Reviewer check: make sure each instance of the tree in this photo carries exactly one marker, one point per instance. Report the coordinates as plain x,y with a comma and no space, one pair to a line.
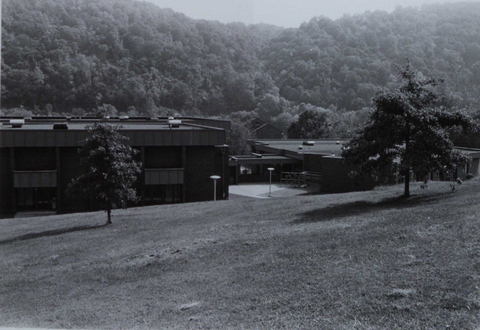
111,169
407,128
237,137
312,123
104,111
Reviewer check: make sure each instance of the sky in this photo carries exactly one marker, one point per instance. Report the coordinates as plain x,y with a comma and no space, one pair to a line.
286,13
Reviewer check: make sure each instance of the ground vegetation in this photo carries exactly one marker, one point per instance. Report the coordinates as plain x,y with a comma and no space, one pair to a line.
364,260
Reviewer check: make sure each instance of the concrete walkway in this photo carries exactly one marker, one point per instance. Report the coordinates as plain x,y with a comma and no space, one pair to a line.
262,190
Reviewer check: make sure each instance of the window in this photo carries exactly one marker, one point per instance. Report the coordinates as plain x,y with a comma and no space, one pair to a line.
163,194
33,199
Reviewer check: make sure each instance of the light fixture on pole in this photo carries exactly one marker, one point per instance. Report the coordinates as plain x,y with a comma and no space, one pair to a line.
270,169
215,178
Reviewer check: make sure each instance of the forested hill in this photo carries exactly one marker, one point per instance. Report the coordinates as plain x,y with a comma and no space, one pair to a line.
68,56
79,53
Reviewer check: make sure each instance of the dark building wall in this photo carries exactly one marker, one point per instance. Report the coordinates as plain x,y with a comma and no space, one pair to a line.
312,162
474,166
221,167
38,149
34,159
163,157
199,186
136,137
335,174
70,169
6,182
336,177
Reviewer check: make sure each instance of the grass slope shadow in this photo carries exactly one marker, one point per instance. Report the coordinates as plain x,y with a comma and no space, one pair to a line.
53,232
343,210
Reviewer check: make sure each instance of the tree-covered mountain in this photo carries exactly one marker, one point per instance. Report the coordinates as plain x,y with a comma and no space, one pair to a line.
343,63
70,56
78,53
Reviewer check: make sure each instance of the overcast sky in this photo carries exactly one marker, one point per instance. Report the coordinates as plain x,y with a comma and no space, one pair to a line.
286,13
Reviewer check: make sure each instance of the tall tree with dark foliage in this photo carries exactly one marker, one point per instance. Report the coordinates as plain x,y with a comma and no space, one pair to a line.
110,169
407,127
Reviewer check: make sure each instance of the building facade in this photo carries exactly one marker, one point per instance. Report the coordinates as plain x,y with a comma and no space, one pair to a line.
322,163
39,158
316,161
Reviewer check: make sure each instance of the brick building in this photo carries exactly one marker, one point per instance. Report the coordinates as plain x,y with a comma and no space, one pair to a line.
39,157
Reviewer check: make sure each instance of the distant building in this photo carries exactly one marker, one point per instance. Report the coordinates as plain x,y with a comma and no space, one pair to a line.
317,160
263,130
39,157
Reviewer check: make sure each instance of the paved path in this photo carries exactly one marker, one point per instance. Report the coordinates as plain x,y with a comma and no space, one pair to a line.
262,190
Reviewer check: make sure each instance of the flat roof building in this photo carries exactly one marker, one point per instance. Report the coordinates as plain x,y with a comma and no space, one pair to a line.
39,157
317,160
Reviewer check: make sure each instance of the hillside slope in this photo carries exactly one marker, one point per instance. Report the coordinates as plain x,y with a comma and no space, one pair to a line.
357,260
68,56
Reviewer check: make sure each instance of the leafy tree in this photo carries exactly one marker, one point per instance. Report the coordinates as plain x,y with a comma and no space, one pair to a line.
271,105
407,128
110,167
20,111
104,111
312,123
237,137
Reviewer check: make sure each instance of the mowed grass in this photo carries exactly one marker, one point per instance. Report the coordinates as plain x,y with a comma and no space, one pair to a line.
366,260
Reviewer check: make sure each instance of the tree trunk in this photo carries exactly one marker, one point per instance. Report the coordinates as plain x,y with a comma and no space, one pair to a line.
406,192
109,214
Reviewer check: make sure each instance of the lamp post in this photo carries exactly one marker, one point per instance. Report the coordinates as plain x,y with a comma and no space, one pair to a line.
270,169
215,178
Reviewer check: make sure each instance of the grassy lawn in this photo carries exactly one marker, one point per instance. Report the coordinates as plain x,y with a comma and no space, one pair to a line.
350,261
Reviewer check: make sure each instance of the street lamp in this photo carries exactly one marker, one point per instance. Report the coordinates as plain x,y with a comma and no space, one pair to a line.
215,178
270,169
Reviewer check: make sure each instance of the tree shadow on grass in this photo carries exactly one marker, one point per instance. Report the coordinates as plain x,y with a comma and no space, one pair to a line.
360,207
53,232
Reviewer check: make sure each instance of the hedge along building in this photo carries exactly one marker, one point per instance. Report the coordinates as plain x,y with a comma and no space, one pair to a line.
39,157
321,161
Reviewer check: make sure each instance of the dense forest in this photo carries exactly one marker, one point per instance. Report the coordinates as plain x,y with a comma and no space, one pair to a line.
71,56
